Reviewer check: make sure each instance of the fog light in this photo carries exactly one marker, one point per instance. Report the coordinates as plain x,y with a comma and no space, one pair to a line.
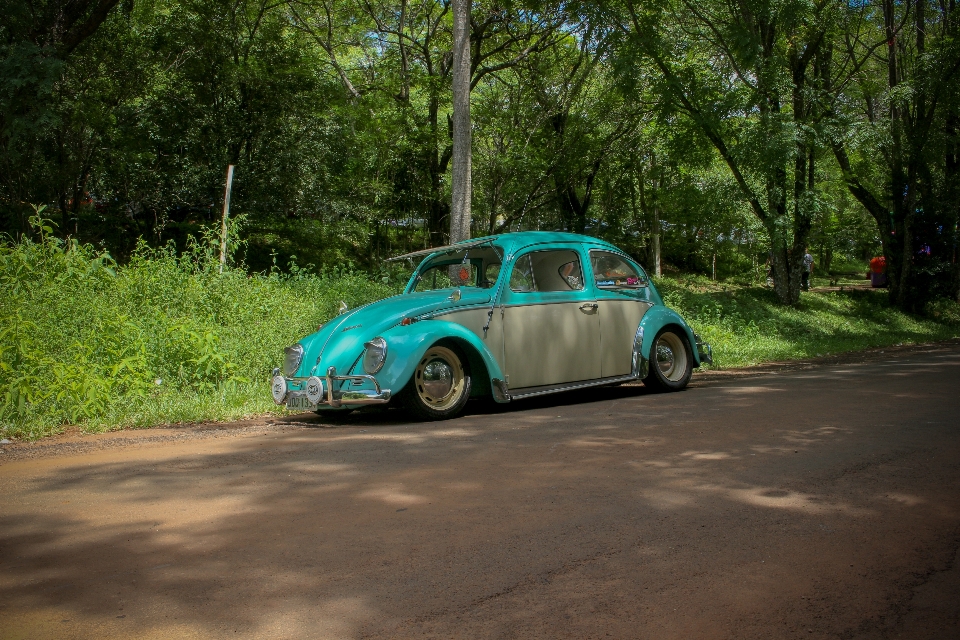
314,390
279,389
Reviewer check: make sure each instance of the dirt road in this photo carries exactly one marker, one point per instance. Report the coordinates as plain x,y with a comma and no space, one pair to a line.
815,503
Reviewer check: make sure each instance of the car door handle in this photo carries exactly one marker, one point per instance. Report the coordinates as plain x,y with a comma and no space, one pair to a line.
590,306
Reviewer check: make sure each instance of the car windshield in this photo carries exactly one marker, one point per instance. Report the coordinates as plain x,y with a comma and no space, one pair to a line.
478,267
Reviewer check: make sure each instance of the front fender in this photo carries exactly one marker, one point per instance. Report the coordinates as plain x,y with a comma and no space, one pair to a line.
657,318
407,344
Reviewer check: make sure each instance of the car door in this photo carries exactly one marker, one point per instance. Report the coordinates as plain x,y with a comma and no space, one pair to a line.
622,297
551,328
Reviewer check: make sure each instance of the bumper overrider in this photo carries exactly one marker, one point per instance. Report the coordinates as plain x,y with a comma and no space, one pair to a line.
331,390
704,350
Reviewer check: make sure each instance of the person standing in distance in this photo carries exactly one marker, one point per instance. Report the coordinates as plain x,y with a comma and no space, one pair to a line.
807,270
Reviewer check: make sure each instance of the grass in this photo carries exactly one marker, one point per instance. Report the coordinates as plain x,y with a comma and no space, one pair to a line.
746,326
163,339
168,338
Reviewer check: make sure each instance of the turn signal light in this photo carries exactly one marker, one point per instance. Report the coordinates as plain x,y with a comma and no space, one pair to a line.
406,322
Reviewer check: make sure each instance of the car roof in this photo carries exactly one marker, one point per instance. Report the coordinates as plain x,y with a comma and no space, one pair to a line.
521,239
511,243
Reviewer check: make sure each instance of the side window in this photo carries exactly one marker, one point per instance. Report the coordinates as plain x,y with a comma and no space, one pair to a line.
611,271
571,274
521,278
555,270
491,271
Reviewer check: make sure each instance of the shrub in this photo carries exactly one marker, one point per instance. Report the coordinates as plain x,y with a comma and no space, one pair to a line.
164,338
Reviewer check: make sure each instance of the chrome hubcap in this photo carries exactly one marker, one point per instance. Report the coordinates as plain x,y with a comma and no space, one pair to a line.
437,379
664,358
671,357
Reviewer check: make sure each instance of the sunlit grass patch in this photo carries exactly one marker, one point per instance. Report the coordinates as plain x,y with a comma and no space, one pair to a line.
746,326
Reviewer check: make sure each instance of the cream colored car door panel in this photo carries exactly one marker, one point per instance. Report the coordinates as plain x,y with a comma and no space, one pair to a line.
474,320
619,320
551,343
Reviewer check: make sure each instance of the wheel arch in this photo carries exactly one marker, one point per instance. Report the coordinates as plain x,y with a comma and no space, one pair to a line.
476,366
659,318
414,340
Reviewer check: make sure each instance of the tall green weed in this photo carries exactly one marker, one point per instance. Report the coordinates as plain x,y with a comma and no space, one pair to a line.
169,338
166,337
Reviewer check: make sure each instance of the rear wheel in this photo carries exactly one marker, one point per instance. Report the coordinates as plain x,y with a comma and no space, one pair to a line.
671,361
440,386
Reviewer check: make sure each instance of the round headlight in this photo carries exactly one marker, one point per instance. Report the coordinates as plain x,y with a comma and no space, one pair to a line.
374,355
291,359
278,387
314,390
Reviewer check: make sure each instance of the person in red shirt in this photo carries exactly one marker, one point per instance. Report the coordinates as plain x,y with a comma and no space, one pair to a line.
878,271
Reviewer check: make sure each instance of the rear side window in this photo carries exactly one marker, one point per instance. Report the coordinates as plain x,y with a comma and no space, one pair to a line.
555,270
611,271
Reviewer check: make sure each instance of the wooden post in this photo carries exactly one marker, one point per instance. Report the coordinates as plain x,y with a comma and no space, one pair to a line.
226,214
656,230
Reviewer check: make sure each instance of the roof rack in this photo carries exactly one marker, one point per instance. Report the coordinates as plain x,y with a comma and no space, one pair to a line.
450,248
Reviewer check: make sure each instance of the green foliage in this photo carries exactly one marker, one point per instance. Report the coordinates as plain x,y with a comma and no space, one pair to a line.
169,338
165,338
746,326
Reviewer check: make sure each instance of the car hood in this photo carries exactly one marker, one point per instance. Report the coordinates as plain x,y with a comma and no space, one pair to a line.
339,342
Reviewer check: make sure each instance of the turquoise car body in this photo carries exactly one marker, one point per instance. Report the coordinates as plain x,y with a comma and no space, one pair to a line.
331,359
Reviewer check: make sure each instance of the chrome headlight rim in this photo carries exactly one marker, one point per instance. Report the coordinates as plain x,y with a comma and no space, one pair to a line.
292,357
374,355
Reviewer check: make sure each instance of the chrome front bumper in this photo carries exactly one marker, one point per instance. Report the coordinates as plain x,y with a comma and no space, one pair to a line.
333,393
704,350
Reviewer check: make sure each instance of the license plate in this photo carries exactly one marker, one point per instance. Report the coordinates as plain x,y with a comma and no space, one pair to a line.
301,402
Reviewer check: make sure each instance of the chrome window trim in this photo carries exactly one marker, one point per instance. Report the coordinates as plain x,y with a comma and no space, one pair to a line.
581,300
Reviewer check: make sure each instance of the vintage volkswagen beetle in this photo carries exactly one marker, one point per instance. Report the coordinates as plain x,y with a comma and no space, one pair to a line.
508,317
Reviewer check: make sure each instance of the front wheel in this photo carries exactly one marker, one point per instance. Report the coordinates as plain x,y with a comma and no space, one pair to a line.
671,362
440,386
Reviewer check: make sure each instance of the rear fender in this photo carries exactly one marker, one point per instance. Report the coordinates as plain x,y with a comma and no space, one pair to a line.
656,319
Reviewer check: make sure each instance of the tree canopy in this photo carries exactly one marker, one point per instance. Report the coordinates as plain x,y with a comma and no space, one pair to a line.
714,135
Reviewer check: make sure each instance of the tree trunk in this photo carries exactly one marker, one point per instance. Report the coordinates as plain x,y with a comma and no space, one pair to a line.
438,209
461,185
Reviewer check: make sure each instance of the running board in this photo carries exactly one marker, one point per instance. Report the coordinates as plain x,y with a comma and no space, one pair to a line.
530,392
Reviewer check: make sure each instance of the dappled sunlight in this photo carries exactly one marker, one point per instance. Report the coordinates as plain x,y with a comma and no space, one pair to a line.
682,492
600,441
905,499
792,500
661,498
301,617
706,455
813,436
393,495
750,390
771,449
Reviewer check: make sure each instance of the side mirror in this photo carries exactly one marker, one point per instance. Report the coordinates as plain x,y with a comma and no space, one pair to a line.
455,296
343,308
